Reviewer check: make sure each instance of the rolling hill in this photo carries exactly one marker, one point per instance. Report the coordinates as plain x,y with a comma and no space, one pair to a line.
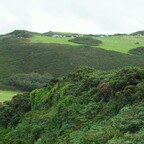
25,52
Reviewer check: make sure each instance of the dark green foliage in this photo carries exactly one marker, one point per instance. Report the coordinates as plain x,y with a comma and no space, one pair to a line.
94,35
86,106
20,56
29,82
11,112
86,41
20,34
137,51
138,33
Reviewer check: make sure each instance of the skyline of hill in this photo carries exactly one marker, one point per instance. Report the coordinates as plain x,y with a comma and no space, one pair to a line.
49,33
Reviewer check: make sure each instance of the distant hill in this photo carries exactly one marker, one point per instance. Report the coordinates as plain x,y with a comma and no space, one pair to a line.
61,34
27,52
138,33
20,34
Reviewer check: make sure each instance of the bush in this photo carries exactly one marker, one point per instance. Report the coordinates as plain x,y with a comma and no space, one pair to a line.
29,82
11,112
86,41
137,51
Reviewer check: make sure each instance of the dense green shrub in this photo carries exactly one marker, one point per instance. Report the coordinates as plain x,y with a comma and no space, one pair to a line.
29,82
21,34
86,107
137,51
86,41
11,112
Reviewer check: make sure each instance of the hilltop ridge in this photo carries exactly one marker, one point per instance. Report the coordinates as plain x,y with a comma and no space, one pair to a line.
50,33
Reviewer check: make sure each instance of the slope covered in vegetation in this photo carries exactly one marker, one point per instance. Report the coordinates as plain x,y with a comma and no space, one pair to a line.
138,33
19,55
86,106
24,52
137,51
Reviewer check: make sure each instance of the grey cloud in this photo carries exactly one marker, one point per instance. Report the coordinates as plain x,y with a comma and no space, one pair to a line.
85,16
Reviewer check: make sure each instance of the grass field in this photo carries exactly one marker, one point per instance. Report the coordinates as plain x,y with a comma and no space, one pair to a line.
121,43
7,95
46,39
116,43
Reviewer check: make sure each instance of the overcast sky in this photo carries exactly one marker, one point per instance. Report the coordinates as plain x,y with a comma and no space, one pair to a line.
81,16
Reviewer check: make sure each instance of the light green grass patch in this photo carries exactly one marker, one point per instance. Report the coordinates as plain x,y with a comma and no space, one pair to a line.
121,43
7,95
116,43
46,39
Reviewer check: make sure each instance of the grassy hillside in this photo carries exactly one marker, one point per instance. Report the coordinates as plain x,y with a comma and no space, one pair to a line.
46,39
138,33
121,43
7,95
86,106
26,52
118,43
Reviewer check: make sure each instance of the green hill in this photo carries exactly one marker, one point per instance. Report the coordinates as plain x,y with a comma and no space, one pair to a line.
138,33
86,41
27,52
86,106
119,43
